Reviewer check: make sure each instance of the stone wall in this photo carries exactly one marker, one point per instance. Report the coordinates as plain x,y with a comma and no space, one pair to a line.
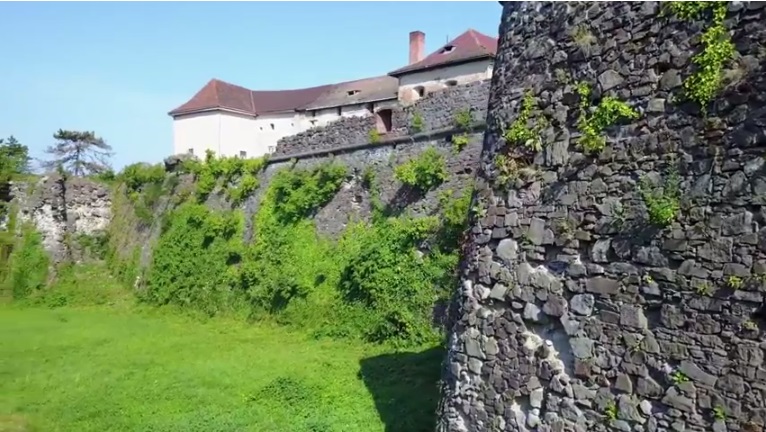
575,313
59,209
437,111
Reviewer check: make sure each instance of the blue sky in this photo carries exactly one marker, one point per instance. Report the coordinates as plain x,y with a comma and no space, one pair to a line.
118,68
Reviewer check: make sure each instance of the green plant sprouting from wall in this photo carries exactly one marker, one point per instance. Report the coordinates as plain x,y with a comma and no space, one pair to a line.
519,132
463,121
424,172
417,123
662,202
607,113
374,136
706,81
24,264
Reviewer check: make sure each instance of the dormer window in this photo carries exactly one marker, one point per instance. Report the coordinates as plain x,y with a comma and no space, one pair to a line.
352,92
447,49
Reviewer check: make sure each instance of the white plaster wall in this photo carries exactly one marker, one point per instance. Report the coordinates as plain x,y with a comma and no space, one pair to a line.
198,132
436,79
229,134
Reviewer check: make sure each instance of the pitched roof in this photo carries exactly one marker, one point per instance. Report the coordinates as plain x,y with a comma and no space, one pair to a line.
470,45
217,94
355,92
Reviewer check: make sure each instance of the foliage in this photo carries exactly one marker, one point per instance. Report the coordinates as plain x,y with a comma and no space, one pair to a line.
464,119
209,172
196,238
610,411
374,136
14,158
662,203
519,133
606,114
143,187
417,123
703,84
78,153
459,142
299,193
424,172
24,263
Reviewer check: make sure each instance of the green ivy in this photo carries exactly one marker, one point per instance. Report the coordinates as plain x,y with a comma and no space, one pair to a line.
607,113
424,172
519,132
705,82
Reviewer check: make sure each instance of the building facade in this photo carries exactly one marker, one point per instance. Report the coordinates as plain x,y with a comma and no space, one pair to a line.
232,120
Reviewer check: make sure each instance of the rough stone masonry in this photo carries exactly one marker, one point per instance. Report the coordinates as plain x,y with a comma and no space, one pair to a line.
574,312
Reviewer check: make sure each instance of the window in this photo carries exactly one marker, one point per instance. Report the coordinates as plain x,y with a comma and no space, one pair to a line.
340,110
352,92
371,107
272,126
242,154
313,113
451,83
420,91
383,120
190,151
447,49
272,149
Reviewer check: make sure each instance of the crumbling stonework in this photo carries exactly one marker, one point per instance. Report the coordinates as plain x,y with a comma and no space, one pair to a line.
59,209
575,313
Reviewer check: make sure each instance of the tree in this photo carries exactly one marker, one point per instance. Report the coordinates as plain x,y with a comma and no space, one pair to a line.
79,153
14,158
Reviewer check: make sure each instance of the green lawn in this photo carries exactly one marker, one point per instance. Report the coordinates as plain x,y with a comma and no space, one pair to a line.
109,369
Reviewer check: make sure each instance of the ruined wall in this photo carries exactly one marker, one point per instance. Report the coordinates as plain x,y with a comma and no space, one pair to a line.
575,313
60,209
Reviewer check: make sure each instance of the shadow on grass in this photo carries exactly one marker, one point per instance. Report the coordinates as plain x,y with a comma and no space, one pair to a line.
405,387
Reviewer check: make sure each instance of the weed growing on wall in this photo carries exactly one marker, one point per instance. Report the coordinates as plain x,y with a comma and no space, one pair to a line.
143,186
607,113
417,124
463,121
519,133
662,203
705,82
374,136
424,172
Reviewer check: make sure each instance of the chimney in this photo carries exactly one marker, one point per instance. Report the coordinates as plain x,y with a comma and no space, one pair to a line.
417,45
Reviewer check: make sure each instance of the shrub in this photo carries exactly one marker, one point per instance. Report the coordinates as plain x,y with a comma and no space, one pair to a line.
424,172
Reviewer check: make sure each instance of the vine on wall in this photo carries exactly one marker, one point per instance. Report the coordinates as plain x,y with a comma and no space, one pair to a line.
706,81
592,124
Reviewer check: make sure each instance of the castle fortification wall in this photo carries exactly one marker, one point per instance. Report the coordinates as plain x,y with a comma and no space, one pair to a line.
578,310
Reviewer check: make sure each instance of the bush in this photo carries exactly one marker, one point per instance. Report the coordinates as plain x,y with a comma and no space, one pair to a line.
425,172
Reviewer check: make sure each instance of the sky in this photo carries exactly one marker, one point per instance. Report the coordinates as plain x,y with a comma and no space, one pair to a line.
118,68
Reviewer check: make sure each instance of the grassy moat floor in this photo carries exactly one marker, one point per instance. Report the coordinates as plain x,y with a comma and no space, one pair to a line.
128,369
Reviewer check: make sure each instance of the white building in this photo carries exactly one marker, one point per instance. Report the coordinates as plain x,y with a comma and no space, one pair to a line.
235,121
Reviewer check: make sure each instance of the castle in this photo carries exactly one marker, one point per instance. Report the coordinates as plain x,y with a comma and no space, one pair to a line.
234,121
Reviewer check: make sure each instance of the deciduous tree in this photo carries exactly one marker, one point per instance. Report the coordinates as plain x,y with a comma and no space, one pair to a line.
79,153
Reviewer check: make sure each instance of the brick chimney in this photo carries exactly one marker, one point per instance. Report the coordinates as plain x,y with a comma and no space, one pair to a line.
417,46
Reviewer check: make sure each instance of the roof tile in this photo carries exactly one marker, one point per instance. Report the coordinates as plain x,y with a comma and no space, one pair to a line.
468,46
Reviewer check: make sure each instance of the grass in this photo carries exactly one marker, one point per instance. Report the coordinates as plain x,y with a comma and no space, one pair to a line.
118,367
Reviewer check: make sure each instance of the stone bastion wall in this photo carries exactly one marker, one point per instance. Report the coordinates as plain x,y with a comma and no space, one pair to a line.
589,300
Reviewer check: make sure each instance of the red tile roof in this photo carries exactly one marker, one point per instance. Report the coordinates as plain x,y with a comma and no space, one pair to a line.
217,94
470,45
